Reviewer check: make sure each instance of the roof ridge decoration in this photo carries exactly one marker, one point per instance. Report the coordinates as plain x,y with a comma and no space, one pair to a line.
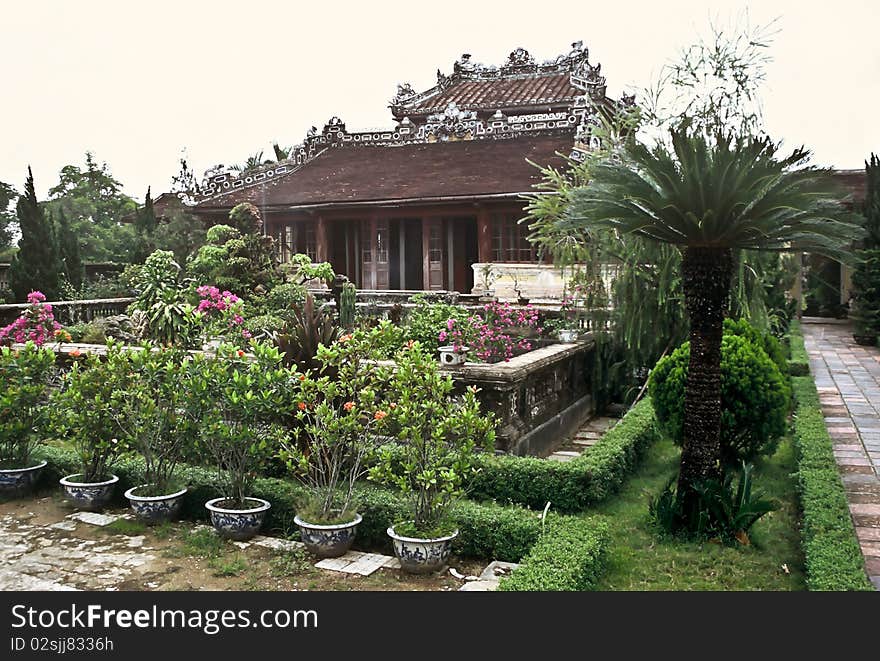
579,117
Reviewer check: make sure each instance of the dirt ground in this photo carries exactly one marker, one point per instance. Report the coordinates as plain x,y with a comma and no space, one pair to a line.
42,549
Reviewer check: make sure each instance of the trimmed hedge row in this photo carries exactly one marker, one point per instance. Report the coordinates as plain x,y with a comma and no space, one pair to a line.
833,557
799,363
574,485
487,530
570,556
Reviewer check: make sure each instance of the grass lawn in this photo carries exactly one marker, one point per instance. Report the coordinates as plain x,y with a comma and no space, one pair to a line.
639,560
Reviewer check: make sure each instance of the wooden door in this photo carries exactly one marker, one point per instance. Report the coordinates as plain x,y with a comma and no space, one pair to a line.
375,254
433,248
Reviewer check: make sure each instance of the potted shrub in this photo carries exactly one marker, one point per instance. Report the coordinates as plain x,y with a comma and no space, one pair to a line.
155,425
439,434
237,399
24,377
334,413
87,410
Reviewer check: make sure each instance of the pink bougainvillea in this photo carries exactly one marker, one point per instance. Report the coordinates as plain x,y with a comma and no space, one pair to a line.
36,324
220,311
490,336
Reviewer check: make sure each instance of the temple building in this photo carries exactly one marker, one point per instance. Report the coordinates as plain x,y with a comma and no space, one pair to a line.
428,202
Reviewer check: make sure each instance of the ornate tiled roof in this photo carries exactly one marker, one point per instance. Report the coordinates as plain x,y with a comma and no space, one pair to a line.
412,172
521,101
518,85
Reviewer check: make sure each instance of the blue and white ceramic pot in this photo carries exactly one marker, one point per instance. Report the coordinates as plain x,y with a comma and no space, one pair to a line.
239,525
92,496
421,556
328,541
17,482
155,509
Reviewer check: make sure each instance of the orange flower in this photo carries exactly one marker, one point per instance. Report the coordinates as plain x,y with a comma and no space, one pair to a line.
379,415
410,343
348,406
345,338
392,406
301,406
240,353
302,377
76,353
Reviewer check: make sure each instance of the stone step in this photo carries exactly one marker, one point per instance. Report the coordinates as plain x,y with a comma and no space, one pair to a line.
563,455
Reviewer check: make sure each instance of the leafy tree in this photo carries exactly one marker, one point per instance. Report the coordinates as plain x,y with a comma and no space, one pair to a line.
709,196
252,163
866,276
182,234
36,265
95,205
8,223
236,257
68,251
185,184
282,153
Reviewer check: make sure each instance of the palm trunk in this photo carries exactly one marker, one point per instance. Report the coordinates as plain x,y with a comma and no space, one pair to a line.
706,276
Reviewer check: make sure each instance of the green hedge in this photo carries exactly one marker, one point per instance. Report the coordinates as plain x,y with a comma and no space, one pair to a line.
487,530
799,364
574,485
569,556
833,557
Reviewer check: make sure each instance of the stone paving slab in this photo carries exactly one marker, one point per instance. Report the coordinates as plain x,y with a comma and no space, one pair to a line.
357,562
94,518
848,382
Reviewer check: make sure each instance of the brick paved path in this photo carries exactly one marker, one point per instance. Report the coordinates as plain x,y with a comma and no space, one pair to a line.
848,380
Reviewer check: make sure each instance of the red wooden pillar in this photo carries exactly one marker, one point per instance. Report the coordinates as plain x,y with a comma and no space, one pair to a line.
322,246
484,236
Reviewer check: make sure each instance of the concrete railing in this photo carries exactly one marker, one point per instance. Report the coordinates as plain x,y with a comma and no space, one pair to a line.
71,312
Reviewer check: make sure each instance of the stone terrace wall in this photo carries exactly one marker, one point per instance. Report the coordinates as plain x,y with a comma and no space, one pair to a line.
539,397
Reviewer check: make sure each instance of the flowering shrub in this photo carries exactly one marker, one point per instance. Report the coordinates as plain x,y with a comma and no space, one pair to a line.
36,324
220,313
491,337
86,410
331,432
24,388
237,402
439,434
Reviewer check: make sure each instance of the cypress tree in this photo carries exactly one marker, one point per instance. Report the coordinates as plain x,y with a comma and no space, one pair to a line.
68,251
36,265
145,220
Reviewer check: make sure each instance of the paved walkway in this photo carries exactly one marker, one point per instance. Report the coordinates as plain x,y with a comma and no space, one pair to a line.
848,380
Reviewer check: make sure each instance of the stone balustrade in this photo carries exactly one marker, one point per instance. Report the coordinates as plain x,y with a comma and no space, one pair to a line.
71,312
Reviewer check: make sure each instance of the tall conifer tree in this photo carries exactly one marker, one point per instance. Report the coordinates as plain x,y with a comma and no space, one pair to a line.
36,265
68,250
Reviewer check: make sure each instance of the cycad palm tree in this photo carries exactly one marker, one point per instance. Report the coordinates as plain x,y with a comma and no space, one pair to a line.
709,197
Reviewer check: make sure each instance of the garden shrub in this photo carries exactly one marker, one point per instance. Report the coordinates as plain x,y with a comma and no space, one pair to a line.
833,558
569,486
754,398
426,320
767,341
569,556
799,364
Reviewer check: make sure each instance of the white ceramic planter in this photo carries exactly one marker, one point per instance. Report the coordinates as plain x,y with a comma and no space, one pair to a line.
16,482
421,556
156,509
449,357
93,496
328,541
568,335
239,525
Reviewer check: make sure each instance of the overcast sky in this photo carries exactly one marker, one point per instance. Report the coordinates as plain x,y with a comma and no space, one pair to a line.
137,82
